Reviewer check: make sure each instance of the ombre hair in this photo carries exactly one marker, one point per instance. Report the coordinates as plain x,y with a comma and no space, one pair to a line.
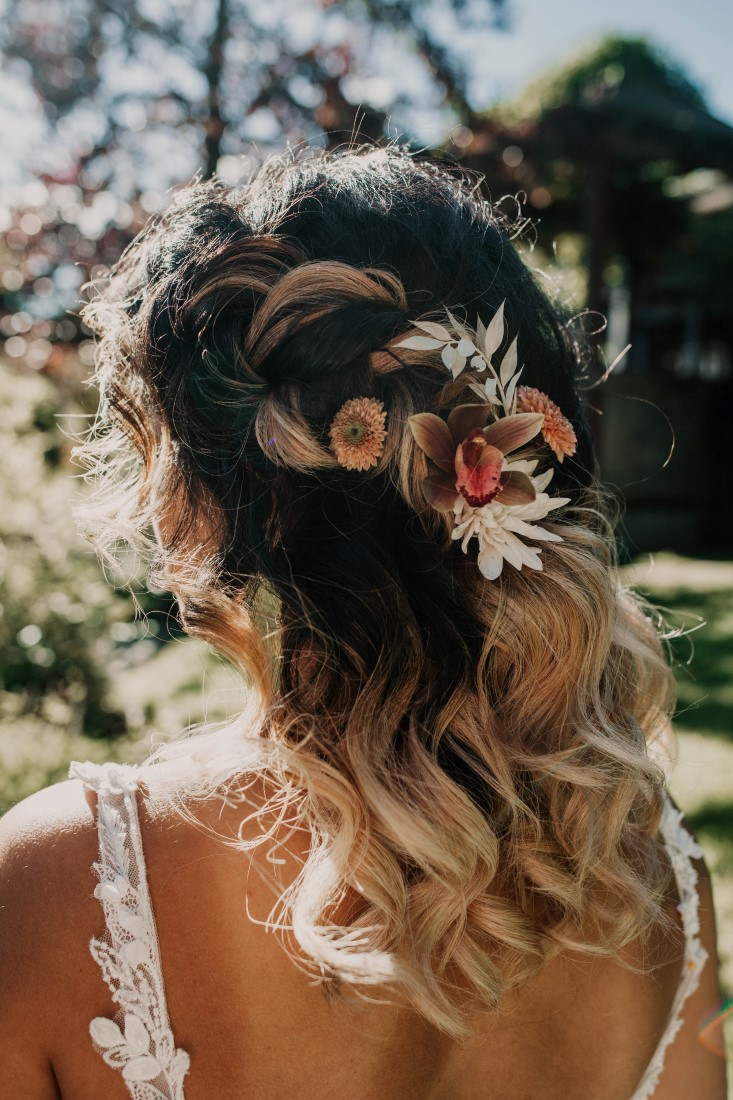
471,759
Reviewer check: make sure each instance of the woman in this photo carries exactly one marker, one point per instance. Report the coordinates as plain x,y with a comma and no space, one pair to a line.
435,858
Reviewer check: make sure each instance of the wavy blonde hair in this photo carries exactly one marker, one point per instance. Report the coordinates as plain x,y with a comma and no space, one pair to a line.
470,759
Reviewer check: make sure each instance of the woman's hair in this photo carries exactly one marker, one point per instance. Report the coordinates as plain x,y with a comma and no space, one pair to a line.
470,757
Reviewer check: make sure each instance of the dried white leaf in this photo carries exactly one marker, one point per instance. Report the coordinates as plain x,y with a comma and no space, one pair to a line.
420,343
510,395
459,328
494,332
451,358
440,332
509,363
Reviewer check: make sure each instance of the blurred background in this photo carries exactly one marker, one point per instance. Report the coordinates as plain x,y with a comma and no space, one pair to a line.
605,130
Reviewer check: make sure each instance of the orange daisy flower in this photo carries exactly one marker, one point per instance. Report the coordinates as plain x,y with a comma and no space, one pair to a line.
557,429
357,433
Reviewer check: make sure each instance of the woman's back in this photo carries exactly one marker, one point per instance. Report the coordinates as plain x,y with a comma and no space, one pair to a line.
257,1028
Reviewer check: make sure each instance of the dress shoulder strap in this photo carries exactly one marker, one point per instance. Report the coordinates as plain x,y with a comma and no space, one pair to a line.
139,1040
682,850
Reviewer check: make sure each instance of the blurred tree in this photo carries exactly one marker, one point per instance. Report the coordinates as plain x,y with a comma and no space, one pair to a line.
697,265
62,625
55,607
594,144
138,98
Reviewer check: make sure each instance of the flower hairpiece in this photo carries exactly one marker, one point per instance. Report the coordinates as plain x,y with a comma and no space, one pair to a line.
494,496
357,433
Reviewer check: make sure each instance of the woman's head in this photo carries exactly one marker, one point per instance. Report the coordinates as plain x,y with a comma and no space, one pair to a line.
238,327
451,735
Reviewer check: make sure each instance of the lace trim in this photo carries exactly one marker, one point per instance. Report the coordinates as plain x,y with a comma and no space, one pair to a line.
682,849
139,1041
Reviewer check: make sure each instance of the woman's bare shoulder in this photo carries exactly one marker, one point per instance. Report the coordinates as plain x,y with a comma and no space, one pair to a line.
63,805
45,841
40,839
47,846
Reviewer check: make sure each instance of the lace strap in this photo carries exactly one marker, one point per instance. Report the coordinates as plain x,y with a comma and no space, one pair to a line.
139,1041
682,850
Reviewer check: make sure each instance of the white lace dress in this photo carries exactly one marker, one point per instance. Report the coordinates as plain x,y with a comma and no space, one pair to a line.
139,1041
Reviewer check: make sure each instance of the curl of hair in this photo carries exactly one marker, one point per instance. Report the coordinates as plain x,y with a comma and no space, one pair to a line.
471,759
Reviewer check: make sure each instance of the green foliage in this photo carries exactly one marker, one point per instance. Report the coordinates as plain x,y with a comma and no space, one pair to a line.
695,597
36,750
80,676
215,87
56,606
217,76
697,601
609,67
605,144
703,276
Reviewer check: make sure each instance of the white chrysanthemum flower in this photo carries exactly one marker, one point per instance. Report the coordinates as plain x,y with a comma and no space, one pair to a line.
498,526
